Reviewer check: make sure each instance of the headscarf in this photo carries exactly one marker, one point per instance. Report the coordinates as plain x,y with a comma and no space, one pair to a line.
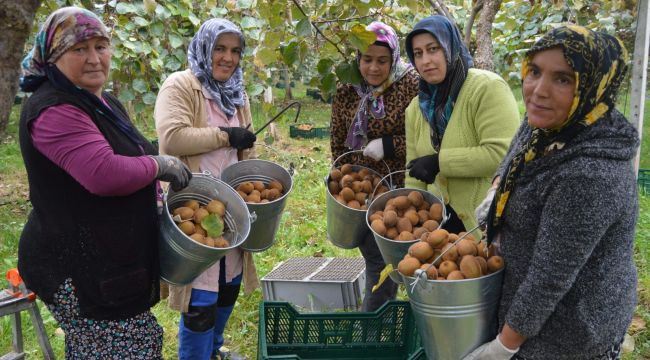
228,94
599,62
372,100
437,101
62,30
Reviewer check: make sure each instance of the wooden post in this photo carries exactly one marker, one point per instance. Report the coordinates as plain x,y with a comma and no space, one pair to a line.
639,73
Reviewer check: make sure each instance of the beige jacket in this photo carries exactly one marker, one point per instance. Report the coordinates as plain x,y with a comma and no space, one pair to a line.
183,131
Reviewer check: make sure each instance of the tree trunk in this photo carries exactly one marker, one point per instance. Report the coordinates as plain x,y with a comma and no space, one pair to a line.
16,18
483,55
470,22
287,84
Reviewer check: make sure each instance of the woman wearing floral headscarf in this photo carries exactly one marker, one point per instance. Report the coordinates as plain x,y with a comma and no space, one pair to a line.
566,206
459,127
89,249
202,115
370,116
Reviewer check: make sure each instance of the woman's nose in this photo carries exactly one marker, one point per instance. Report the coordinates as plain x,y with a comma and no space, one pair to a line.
93,56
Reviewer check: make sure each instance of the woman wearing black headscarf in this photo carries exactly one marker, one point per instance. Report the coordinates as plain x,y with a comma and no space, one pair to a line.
459,126
566,206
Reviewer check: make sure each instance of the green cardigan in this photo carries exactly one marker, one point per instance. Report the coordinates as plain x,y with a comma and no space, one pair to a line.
483,122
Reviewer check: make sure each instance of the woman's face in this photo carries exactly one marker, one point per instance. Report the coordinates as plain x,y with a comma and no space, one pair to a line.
225,56
375,64
429,58
87,64
549,88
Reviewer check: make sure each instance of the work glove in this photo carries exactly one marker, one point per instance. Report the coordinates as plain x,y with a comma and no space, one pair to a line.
482,210
239,138
172,170
375,149
424,168
494,350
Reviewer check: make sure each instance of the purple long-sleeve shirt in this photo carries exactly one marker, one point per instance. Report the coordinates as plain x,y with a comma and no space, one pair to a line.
69,138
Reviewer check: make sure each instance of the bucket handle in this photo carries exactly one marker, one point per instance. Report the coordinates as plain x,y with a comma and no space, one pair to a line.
361,151
422,274
445,216
291,168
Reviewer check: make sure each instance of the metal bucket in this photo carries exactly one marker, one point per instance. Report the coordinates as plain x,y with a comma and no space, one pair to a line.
346,226
393,251
455,316
268,215
183,259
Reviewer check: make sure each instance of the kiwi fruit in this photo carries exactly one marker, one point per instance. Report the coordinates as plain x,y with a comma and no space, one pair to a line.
420,250
423,216
435,212
221,242
401,202
404,224
390,218
356,186
470,267
451,254
360,197
431,225
466,247
419,231
346,169
405,236
334,187
354,204
446,267
408,266
273,194
336,174
412,215
482,250
378,226
376,215
258,185
431,271
347,194
187,227
494,263
483,263
253,198
216,207
455,275
192,204
184,212
416,198
198,238
198,229
246,187
199,214
209,241
438,238
347,181
391,233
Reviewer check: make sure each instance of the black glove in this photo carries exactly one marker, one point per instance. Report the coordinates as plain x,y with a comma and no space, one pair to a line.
172,170
424,168
239,138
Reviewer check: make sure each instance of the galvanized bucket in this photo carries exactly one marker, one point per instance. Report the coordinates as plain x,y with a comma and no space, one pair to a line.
393,251
268,215
183,259
346,226
454,316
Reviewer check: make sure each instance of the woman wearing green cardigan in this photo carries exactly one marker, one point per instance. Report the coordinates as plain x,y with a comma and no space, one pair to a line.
460,125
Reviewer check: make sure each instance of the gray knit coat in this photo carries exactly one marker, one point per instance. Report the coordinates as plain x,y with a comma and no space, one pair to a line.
567,241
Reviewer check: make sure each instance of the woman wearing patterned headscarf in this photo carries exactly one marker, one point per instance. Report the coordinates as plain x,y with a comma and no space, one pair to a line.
459,127
370,116
566,206
89,249
202,115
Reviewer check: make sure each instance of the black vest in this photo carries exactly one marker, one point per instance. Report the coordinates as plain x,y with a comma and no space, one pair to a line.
108,245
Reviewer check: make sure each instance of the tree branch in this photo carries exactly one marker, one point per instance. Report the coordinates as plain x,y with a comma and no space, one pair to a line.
318,30
328,21
470,22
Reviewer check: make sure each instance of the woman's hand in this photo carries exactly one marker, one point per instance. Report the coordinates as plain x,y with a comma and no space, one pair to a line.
172,170
494,350
424,168
239,138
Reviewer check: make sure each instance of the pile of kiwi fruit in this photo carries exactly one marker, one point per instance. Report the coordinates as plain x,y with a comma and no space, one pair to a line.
257,192
406,217
467,259
353,188
188,218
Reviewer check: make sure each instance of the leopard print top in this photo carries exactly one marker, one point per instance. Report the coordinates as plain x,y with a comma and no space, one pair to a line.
396,99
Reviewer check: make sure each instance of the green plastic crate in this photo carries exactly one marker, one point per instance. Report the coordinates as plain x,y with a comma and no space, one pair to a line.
388,333
644,180
314,132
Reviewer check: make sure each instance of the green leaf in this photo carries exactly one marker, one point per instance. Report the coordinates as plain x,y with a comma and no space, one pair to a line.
328,84
244,4
303,28
348,72
254,89
361,38
140,86
126,95
149,98
290,53
248,22
324,66
124,8
265,56
172,64
213,225
175,40
268,139
140,21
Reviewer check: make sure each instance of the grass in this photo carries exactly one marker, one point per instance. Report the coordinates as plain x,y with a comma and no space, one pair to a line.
302,231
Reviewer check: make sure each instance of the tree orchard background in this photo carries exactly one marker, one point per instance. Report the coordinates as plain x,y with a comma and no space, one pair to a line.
314,41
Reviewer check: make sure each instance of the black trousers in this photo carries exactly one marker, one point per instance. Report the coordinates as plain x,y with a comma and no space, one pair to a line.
374,265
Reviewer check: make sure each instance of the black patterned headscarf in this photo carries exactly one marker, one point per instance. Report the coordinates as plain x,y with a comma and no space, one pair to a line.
599,62
227,94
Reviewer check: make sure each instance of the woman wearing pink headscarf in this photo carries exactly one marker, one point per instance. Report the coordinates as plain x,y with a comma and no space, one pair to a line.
370,116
